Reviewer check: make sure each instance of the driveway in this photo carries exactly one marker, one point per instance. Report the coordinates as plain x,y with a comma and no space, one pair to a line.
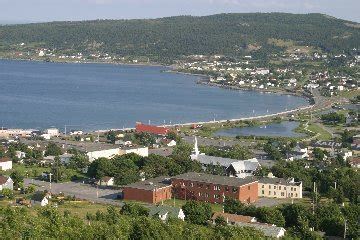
79,190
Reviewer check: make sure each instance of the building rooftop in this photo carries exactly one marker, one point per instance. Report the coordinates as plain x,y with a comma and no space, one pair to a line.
224,162
215,179
234,217
5,159
3,179
280,181
151,184
267,229
162,210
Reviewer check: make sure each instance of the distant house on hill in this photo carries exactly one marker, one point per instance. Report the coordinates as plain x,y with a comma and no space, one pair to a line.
164,212
6,183
161,131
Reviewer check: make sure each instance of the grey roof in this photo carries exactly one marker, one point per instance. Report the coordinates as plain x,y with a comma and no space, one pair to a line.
215,179
225,162
38,196
268,230
161,210
151,184
280,181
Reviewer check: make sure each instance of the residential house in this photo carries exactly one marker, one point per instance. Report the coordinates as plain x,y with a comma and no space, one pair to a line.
142,151
166,212
214,188
272,187
40,198
106,181
243,168
232,219
6,183
53,132
298,153
151,190
5,163
169,142
65,158
267,229
355,162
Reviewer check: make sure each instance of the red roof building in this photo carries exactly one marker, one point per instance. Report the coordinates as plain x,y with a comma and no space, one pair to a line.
152,129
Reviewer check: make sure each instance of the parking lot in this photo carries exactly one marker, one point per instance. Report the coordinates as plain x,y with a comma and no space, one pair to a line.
79,190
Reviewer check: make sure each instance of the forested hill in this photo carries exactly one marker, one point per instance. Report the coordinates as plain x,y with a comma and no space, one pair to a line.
229,34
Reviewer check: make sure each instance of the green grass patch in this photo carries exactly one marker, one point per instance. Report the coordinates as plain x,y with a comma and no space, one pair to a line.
323,134
179,203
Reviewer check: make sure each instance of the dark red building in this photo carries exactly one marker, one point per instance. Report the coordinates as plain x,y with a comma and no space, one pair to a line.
151,191
213,188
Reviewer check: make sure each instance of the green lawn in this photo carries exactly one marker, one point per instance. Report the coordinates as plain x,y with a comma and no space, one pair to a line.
28,171
323,134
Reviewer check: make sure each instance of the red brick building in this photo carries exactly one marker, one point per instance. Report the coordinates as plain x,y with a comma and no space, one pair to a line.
152,129
213,188
151,191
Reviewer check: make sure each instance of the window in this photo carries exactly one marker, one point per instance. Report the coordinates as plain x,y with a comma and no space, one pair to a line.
208,186
282,194
296,194
263,192
217,196
217,188
249,187
192,184
274,187
279,187
263,186
269,192
269,186
199,194
227,188
274,193
234,190
206,195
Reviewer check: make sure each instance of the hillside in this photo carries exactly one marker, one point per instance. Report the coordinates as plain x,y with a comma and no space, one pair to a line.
169,38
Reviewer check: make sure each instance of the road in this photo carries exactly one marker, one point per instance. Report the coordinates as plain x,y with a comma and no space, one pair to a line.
79,190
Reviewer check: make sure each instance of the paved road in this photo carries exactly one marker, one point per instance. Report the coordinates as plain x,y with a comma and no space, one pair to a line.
80,190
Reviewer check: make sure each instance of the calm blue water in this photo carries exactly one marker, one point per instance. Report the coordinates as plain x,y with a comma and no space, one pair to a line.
283,129
100,96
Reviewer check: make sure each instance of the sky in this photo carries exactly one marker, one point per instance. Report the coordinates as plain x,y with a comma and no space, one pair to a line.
20,11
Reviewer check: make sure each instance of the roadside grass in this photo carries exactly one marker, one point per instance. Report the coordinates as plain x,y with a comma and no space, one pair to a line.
323,134
81,208
349,94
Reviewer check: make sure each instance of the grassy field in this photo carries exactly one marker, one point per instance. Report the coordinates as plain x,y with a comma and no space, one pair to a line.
323,134
28,171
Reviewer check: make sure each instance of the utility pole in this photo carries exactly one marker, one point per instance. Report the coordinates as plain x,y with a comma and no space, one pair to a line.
345,228
335,185
50,181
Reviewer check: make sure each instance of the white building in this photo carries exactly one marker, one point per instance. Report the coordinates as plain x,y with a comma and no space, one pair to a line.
5,164
142,151
233,167
40,198
164,212
6,183
109,151
53,132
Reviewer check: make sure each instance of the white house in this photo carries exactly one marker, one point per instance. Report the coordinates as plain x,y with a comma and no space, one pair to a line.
169,142
76,132
106,181
6,183
53,132
5,163
20,154
164,212
243,168
40,198
267,229
96,151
